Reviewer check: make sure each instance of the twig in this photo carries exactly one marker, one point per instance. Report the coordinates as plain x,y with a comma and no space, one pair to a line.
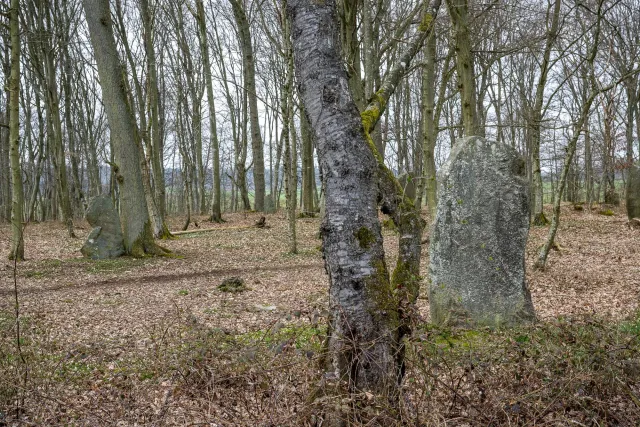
630,392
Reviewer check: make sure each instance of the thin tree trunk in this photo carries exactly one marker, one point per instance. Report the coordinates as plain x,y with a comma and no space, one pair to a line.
216,214
459,10
17,202
59,158
249,70
76,187
155,146
536,120
571,147
308,169
429,126
289,133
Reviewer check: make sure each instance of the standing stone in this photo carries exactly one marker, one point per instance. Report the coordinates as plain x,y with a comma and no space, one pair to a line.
408,183
269,204
105,240
633,192
478,239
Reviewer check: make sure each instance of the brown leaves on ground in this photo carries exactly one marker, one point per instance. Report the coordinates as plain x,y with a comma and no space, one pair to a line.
153,341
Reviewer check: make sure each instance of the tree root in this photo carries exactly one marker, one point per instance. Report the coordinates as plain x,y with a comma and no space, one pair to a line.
540,220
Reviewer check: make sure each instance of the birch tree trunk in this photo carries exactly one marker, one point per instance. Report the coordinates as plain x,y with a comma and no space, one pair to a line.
364,326
138,236
369,311
289,134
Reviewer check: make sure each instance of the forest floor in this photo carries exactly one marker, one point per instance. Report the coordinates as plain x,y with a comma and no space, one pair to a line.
154,342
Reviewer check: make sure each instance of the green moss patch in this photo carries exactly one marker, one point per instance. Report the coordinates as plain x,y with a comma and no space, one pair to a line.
365,237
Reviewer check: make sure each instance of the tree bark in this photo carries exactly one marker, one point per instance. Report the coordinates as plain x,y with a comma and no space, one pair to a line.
138,237
289,134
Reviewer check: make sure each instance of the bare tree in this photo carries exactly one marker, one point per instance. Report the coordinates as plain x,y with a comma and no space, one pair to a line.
138,236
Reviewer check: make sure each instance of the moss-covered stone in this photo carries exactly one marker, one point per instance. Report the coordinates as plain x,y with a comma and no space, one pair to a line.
232,284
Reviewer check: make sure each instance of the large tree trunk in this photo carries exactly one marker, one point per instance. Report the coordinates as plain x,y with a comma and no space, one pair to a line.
365,320
249,69
367,308
138,237
17,203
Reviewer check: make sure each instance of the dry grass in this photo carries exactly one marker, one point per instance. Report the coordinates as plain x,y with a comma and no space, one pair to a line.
154,342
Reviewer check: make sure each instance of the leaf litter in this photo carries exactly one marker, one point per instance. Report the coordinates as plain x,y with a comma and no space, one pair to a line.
114,314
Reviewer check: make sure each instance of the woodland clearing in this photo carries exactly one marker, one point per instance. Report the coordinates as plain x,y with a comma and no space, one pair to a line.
153,341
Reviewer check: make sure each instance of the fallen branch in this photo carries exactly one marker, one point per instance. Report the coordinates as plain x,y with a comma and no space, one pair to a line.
206,230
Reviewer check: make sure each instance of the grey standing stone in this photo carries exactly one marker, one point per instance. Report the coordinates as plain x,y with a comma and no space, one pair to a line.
269,204
633,192
408,182
105,240
478,238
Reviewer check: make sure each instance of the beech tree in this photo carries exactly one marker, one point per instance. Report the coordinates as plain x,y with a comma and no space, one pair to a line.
138,236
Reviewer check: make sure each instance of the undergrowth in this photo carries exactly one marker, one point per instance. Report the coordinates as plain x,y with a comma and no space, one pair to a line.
583,371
